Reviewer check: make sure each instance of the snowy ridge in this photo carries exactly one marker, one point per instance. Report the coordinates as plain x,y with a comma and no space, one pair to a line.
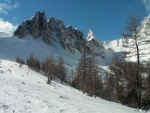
3,34
114,45
26,91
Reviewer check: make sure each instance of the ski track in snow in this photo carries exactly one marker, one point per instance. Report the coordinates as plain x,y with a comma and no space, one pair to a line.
25,91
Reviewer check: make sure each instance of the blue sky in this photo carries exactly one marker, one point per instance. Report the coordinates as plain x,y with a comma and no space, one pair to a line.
105,17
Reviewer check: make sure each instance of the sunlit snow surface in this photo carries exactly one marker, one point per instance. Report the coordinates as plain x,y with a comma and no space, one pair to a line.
25,91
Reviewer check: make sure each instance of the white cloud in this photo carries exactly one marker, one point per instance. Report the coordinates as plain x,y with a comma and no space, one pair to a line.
4,7
7,27
147,4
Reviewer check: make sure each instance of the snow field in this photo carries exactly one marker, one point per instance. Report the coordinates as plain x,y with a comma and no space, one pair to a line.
25,91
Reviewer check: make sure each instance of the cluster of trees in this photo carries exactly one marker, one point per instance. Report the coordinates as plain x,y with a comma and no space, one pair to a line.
87,76
50,67
126,88
54,69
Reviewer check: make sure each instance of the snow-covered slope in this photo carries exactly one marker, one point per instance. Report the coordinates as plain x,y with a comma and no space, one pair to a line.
25,91
12,47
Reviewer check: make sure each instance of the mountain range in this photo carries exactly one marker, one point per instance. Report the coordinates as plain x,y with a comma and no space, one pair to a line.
53,31
68,41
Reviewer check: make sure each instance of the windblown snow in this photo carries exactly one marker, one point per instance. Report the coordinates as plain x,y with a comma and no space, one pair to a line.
25,91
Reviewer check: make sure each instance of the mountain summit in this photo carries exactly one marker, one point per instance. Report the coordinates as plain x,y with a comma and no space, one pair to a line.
95,45
37,27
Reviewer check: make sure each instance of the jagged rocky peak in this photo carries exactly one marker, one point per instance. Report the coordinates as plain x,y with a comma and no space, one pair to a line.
40,15
51,31
37,27
90,35
95,45
55,32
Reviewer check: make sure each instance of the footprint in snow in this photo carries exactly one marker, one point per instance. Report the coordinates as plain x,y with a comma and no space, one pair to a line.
23,82
9,70
1,71
61,111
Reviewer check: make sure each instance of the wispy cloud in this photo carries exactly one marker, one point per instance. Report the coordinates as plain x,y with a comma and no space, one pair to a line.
5,7
147,4
7,27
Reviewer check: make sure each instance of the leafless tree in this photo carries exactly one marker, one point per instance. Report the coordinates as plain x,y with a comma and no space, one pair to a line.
132,31
61,69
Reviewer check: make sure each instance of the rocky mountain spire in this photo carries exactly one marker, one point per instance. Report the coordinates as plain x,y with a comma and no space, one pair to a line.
90,35
37,27
95,45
